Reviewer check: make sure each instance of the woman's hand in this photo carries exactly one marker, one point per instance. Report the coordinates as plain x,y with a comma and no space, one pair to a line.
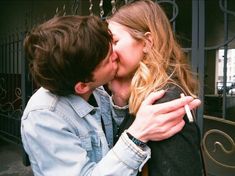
120,91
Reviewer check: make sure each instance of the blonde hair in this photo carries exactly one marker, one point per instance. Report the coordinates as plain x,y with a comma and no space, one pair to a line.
165,62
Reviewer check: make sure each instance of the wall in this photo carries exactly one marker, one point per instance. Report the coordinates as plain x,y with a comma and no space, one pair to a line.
17,15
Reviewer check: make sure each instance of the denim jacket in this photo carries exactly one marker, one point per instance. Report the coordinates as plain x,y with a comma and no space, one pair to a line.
63,136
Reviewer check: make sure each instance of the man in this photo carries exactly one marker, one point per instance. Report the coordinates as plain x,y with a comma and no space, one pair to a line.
67,124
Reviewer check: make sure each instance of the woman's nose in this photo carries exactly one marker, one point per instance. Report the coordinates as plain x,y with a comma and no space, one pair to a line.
114,47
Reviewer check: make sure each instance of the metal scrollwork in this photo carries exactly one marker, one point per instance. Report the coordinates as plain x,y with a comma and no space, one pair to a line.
223,9
101,8
75,7
3,91
91,7
64,10
13,108
175,7
218,147
60,12
113,3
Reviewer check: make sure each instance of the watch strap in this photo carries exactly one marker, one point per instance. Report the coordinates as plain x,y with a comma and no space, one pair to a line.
136,141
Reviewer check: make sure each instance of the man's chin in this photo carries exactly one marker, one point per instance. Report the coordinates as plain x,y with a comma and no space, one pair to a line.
116,75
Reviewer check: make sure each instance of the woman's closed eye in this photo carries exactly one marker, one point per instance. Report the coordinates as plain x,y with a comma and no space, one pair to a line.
114,42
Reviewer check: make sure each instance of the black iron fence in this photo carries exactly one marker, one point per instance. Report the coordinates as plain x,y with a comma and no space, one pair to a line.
11,56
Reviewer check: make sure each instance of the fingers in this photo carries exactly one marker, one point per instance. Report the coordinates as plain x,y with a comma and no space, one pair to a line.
161,121
167,130
194,104
174,104
152,97
173,116
173,130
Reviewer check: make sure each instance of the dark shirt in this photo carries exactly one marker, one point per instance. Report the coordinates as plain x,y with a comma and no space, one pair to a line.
179,155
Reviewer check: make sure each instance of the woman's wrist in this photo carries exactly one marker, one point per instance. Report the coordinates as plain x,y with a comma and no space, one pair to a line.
118,106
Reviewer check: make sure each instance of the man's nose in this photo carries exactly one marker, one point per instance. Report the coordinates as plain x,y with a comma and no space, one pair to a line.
113,56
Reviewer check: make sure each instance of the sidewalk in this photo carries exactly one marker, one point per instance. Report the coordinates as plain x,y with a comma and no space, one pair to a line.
11,160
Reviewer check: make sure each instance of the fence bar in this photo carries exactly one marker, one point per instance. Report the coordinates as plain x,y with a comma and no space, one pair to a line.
225,62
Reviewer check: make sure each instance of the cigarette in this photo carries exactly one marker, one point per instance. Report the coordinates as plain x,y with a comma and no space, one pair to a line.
188,112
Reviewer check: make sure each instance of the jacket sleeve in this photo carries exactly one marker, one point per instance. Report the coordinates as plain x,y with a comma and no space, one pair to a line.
56,150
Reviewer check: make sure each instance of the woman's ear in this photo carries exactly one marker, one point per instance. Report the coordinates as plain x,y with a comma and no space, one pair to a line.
148,42
81,88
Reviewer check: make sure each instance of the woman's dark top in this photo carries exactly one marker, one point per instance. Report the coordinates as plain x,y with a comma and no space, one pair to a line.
179,155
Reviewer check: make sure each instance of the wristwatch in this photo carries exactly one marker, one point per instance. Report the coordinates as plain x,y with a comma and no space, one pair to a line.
137,142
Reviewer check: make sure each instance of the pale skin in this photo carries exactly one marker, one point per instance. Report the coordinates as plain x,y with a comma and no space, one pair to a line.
160,121
153,122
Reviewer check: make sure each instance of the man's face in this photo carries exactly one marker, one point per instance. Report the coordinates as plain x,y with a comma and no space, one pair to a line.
105,71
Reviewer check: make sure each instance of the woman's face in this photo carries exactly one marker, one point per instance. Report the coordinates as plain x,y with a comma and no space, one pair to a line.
128,50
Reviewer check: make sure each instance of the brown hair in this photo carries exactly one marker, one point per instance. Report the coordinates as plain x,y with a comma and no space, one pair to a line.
66,50
164,62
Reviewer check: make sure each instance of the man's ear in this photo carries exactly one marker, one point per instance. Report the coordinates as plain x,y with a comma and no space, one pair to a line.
81,88
148,42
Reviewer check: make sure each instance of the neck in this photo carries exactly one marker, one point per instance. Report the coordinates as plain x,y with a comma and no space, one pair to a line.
123,80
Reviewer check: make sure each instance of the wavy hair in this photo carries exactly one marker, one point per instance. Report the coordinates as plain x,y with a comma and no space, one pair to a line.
165,62
65,50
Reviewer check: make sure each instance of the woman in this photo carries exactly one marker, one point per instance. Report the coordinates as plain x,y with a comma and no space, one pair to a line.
150,59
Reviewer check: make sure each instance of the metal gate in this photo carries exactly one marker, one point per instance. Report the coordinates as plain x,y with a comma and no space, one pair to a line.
10,86
203,27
